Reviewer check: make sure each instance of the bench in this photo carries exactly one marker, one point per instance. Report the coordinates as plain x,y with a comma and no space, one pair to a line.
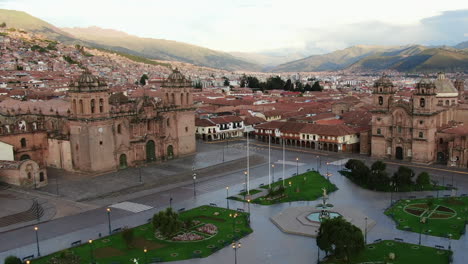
439,246
116,230
280,179
240,210
430,196
149,220
76,243
261,184
28,258
398,239
213,204
181,210
412,197
308,169
377,240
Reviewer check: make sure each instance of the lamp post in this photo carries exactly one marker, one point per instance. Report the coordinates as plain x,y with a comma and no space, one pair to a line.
109,219
319,162
28,262
248,206
227,197
236,246
233,216
420,230
392,186
297,166
365,231
194,184
170,201
273,167
36,229
450,241
139,174
328,163
146,257
90,242
318,254
56,185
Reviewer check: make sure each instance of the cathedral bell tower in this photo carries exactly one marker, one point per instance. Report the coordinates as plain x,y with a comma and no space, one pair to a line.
91,127
383,92
424,97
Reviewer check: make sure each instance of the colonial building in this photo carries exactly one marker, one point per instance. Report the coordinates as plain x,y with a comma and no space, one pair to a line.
411,129
218,128
94,131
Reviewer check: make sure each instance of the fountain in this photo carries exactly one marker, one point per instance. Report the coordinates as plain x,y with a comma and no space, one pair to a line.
325,210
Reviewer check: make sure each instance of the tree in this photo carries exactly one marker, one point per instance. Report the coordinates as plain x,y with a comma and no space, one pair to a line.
379,166
403,176
316,87
275,83
3,25
288,86
253,82
423,179
340,238
143,79
65,257
128,236
378,180
198,85
299,86
167,222
307,87
13,260
226,81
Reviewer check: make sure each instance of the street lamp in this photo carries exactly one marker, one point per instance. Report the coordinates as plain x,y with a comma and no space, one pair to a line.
146,257
233,216
273,167
37,240
392,186
109,220
194,182
450,241
319,162
236,246
297,166
227,197
91,250
365,231
248,204
170,201
139,174
420,230
28,262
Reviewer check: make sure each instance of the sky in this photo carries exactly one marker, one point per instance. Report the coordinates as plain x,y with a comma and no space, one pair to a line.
276,26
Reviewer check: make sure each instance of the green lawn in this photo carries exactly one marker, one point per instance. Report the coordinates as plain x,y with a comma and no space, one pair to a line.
112,249
409,188
447,216
303,187
404,254
252,192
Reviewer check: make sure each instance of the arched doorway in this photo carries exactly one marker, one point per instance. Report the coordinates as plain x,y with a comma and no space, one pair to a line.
123,161
399,153
170,152
335,148
441,158
25,157
150,151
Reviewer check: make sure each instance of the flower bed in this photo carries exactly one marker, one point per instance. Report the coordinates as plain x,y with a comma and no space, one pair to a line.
187,237
209,229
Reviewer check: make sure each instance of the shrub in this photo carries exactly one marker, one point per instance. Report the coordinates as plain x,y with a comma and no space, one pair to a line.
128,236
423,179
13,260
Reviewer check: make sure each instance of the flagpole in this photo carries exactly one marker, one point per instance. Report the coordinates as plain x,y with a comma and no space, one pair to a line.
283,163
269,161
248,166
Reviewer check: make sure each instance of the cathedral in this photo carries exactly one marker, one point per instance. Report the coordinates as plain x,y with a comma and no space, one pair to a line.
426,128
93,130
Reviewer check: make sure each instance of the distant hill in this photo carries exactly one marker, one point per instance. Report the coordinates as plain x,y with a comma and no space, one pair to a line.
336,60
108,39
463,45
161,49
414,58
267,60
22,20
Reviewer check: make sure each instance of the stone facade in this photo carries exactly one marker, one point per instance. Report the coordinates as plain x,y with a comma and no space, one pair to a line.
409,129
94,131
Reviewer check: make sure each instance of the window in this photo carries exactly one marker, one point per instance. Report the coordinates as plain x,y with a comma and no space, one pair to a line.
101,105
41,177
421,122
81,106
440,102
181,98
29,175
23,142
380,100
399,129
119,129
422,91
441,141
92,106
421,135
422,102
148,125
186,129
447,102
379,131
100,142
168,123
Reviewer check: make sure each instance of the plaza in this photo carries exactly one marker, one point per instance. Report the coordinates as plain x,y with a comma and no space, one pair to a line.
267,243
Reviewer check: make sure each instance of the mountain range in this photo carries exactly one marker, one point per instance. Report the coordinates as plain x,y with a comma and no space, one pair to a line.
409,58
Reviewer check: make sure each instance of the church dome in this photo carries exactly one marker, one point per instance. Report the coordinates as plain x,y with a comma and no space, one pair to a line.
88,82
177,80
445,87
383,81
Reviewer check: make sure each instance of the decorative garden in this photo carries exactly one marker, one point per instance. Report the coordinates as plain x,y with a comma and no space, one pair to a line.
377,178
442,217
303,187
170,236
388,251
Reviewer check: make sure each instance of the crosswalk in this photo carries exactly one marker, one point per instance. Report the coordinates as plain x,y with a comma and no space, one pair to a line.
131,207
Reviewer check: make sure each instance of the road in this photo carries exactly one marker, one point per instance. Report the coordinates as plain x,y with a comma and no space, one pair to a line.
267,244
